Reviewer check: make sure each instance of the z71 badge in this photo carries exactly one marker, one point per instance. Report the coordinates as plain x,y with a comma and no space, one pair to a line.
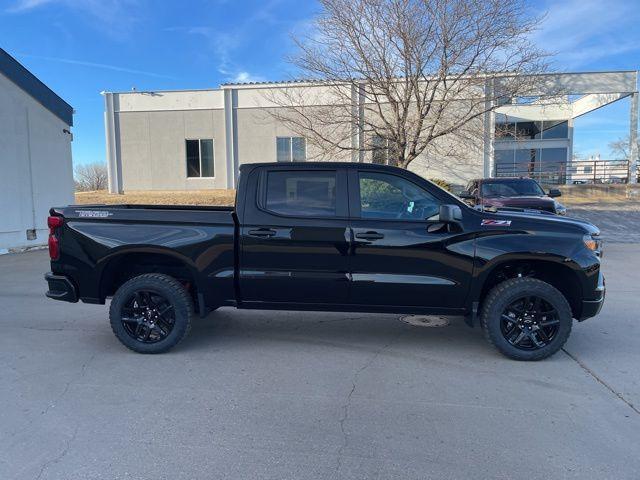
486,222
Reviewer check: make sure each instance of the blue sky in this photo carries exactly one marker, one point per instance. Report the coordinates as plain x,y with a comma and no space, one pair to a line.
82,47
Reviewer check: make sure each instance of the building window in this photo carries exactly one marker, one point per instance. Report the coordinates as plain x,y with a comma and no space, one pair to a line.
555,129
544,164
505,129
504,162
512,128
291,149
526,130
379,150
200,158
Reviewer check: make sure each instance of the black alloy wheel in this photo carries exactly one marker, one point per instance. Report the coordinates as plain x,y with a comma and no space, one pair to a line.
529,323
151,313
526,318
147,316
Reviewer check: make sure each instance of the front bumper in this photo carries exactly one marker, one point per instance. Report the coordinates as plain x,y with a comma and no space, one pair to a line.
61,288
591,308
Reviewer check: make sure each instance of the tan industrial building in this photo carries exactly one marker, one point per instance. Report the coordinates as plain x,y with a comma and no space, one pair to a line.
196,139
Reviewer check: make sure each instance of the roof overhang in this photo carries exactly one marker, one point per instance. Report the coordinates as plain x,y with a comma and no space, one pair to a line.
27,81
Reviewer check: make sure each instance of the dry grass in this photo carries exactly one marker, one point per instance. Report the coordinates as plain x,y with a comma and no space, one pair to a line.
622,199
575,200
182,197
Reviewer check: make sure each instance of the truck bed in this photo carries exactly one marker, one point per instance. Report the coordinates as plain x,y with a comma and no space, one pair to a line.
149,213
103,241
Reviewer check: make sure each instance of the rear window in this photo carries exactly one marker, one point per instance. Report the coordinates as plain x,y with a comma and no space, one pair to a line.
302,193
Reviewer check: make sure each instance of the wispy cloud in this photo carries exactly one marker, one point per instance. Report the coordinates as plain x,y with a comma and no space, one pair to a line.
225,43
582,32
246,77
115,17
103,66
22,5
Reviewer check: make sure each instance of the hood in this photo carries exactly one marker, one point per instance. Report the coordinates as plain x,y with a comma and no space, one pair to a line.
551,221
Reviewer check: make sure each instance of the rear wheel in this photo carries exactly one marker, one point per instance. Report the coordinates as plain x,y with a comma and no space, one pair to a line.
526,319
151,313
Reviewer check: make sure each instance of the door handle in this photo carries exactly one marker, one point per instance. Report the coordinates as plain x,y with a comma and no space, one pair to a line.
262,232
369,236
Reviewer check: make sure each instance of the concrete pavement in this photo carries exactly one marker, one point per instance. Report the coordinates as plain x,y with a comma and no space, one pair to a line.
288,395
618,224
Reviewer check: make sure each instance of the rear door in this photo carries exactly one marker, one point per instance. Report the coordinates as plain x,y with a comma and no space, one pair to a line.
294,237
402,255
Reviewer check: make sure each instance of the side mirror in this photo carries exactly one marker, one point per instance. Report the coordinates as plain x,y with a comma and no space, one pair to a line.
467,196
450,213
554,192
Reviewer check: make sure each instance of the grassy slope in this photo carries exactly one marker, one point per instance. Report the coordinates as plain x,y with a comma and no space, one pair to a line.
196,197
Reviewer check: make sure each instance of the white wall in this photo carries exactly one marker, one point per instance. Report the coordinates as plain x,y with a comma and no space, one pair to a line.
153,150
169,100
36,172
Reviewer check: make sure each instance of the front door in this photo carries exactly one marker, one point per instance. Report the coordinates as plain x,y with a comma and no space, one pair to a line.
401,254
295,240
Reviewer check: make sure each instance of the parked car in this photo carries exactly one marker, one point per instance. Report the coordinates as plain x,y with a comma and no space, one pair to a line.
522,193
329,237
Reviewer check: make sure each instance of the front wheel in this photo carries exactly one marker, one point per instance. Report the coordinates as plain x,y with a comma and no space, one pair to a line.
151,313
526,319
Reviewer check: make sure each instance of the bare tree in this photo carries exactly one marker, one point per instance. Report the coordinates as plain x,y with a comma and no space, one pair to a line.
407,76
621,148
90,176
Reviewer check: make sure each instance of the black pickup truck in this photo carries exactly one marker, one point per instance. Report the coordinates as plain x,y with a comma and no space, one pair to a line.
329,237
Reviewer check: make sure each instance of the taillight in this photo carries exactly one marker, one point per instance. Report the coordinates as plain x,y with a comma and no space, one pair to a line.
54,244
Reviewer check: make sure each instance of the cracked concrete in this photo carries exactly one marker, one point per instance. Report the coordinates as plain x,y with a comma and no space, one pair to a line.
602,382
345,407
59,457
275,395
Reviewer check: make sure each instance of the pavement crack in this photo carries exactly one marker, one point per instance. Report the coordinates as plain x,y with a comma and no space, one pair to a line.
83,370
47,409
347,405
601,381
61,455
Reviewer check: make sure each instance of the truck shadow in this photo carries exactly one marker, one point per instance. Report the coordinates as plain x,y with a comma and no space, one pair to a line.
353,332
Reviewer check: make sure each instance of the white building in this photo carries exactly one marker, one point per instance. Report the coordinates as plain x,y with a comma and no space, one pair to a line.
35,155
196,139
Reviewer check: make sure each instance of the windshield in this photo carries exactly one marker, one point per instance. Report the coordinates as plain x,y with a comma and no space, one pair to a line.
511,188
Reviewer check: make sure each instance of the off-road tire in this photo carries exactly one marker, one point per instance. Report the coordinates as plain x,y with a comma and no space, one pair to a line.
509,291
174,293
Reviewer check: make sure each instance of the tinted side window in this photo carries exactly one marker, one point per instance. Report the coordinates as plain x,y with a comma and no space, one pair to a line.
394,198
302,193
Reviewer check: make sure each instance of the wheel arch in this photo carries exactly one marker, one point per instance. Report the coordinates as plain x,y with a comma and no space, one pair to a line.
124,265
557,272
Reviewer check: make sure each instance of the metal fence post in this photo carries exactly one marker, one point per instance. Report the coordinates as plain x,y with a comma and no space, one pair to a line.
633,140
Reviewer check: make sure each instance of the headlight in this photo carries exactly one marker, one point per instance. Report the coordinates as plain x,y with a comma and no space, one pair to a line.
593,243
561,209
